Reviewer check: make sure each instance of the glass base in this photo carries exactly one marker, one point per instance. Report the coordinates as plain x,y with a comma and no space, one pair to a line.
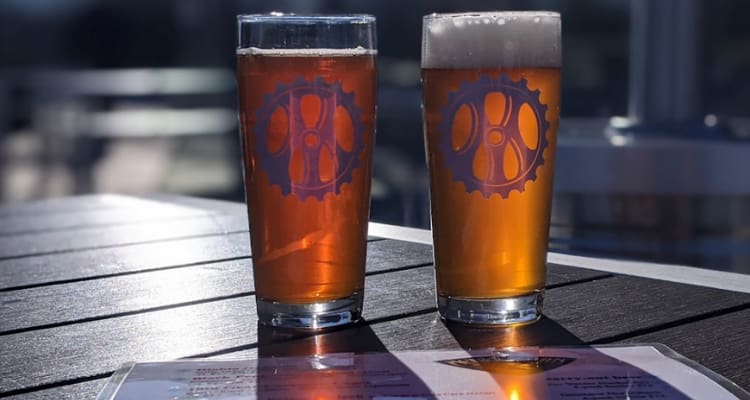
494,312
311,315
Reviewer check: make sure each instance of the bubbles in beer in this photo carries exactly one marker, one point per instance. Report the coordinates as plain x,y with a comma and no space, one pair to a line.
471,40
357,51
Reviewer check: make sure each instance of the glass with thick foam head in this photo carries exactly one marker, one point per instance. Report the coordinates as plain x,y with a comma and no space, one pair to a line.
307,111
491,88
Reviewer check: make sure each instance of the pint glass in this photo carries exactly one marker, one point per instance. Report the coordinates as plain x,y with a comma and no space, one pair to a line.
307,110
491,88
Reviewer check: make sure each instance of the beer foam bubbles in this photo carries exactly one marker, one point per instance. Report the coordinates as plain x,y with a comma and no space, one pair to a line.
491,40
357,51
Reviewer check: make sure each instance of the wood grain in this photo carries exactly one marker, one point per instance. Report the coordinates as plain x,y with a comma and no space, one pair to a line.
78,391
610,307
48,306
91,348
125,259
81,219
227,326
53,305
426,331
64,205
719,343
420,332
100,237
132,258
101,287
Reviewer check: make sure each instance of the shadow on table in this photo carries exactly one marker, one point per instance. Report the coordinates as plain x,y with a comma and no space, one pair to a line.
525,362
329,365
544,332
278,342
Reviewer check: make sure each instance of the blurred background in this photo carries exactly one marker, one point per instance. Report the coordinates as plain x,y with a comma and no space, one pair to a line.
139,97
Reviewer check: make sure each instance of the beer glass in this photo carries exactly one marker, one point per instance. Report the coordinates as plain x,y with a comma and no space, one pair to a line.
491,88
307,110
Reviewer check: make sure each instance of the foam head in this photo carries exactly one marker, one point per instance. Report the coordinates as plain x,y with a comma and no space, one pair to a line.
491,40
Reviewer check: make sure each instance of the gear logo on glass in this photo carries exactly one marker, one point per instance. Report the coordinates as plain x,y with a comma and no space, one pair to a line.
309,138
493,135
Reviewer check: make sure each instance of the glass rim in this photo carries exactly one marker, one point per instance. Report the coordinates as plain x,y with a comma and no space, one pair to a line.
493,14
307,19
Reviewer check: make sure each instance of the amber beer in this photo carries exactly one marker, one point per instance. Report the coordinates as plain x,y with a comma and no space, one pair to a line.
307,131
491,88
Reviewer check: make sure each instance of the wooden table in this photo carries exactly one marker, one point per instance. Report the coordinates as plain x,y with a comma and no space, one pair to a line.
88,283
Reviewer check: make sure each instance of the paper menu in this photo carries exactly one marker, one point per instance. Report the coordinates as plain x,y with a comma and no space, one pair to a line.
570,373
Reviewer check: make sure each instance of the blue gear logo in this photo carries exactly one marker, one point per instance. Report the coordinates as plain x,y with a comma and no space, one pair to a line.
308,135
482,140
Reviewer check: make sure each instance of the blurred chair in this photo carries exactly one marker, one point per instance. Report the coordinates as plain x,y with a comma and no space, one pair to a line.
80,113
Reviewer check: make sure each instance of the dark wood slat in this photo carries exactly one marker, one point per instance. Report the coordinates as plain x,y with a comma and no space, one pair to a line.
52,305
419,332
400,306
606,308
148,211
719,343
562,274
45,243
389,254
228,325
70,204
91,348
425,332
49,306
124,259
86,264
79,391
77,301
214,327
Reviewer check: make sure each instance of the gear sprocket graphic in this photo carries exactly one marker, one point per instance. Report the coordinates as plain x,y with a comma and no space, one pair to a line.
493,138
309,140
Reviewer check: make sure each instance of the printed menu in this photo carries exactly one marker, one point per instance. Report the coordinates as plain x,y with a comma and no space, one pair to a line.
566,373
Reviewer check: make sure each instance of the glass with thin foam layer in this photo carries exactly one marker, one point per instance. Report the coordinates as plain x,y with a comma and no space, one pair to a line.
307,126
491,88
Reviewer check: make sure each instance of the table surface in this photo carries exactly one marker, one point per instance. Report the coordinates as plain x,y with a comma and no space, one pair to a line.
88,283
